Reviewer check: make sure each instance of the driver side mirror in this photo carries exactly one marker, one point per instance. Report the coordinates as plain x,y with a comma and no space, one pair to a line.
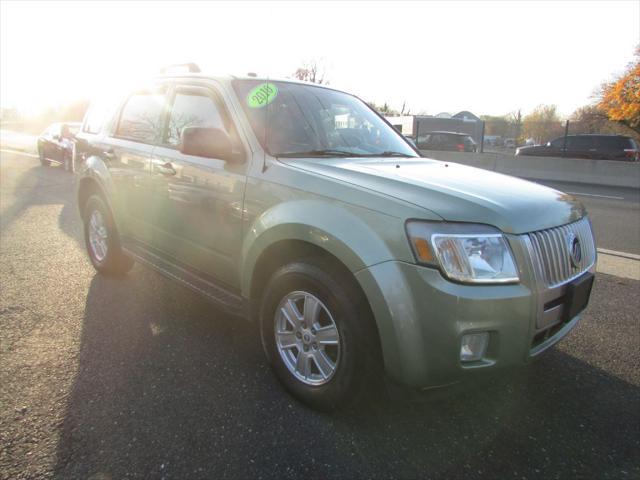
207,142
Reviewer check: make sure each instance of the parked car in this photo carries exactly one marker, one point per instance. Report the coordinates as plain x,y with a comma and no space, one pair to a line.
594,146
56,144
358,260
449,141
509,143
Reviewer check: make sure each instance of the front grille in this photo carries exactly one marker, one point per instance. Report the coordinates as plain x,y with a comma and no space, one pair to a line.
552,256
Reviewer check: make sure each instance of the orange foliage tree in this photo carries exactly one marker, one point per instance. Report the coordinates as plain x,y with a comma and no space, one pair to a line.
620,99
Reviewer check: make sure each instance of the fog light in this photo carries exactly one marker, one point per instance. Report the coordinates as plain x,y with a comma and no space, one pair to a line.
473,346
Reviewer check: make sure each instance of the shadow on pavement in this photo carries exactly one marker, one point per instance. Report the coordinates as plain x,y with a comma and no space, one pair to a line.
36,186
167,387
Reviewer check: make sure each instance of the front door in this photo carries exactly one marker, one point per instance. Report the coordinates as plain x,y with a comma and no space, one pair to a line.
197,211
127,153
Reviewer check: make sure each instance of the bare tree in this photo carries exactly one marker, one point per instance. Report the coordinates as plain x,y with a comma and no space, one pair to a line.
312,71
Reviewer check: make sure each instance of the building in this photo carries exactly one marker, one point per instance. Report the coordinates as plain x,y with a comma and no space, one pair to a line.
461,122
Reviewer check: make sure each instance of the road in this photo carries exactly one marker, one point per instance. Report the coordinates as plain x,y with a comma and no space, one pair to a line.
614,211
139,378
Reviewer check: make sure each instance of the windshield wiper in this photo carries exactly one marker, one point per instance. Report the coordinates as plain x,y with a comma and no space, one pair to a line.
320,153
392,154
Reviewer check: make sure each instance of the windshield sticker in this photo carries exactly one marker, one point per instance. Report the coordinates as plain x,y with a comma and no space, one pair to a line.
262,95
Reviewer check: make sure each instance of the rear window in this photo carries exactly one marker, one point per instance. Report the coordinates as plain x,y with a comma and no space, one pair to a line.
140,117
614,143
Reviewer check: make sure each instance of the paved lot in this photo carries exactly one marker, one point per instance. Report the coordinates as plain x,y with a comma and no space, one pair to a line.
140,378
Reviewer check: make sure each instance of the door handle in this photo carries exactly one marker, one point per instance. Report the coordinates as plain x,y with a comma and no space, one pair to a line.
165,169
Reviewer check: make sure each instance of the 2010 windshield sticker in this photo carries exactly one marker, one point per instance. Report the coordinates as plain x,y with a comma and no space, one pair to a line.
262,95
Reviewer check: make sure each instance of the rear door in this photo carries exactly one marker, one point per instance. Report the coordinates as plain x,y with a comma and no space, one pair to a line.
127,153
581,146
197,207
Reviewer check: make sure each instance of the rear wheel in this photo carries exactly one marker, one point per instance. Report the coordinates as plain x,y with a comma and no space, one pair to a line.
315,335
102,241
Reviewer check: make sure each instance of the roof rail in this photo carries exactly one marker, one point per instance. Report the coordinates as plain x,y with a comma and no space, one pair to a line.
191,68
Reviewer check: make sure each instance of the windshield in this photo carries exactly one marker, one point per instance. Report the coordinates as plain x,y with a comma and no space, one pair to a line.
303,120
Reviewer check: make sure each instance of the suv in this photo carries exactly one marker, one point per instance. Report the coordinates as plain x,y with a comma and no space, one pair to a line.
299,207
448,141
602,147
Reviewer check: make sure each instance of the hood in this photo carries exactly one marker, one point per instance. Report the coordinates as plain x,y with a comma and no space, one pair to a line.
455,192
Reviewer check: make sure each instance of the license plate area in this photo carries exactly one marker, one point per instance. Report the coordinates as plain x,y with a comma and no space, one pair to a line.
577,296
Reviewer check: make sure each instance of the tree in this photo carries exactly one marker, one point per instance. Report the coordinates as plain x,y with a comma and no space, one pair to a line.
312,71
542,124
385,109
494,125
592,119
620,98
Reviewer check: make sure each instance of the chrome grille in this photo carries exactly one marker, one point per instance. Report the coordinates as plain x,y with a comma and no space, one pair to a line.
551,251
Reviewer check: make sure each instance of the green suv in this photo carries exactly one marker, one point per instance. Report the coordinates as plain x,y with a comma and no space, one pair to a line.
297,206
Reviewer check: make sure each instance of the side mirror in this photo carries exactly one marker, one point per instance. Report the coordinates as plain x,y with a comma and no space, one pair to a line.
206,142
56,137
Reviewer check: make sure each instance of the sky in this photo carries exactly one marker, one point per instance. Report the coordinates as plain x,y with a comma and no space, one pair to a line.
486,57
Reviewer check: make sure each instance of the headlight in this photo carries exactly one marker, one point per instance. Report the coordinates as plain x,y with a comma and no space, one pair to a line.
464,252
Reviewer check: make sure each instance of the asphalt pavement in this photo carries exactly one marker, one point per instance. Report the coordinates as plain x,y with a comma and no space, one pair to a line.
140,378
614,212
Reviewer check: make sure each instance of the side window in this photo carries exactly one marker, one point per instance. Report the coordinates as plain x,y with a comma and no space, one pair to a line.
559,142
192,110
95,118
579,143
141,117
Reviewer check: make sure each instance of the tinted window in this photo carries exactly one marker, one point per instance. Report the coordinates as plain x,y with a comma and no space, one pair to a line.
614,143
140,118
558,142
579,143
192,110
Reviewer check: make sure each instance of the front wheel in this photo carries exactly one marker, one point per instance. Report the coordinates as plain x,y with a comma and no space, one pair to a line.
102,241
314,333
43,161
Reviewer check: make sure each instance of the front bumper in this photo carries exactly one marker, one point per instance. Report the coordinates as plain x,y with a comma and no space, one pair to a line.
421,318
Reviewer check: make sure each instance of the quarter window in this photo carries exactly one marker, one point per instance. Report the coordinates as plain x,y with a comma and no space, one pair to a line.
141,117
192,110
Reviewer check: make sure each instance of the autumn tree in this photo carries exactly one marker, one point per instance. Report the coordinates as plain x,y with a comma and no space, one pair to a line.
542,124
593,119
620,98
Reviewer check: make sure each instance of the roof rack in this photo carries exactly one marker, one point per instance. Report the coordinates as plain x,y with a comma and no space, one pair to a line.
190,67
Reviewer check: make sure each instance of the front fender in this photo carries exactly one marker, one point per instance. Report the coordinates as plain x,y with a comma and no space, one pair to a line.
356,236
95,171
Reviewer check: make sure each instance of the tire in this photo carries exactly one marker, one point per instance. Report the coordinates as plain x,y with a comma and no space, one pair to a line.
66,162
339,303
101,239
43,161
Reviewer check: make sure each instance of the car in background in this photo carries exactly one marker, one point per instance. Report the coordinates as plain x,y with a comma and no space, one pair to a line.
590,146
448,141
56,145
509,143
